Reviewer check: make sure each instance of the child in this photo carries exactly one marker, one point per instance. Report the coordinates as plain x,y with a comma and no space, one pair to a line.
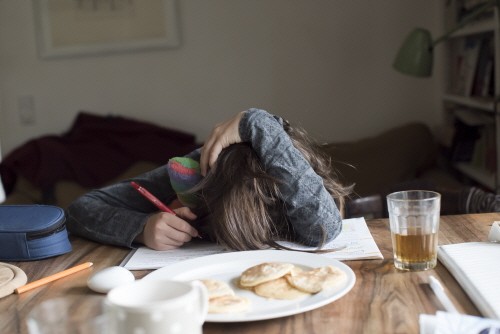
291,185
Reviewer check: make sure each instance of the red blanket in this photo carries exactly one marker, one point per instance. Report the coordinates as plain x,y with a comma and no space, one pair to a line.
95,150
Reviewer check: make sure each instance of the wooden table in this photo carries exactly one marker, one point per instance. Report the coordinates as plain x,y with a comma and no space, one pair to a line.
383,300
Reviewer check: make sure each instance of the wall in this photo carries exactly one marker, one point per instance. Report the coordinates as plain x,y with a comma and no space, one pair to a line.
324,64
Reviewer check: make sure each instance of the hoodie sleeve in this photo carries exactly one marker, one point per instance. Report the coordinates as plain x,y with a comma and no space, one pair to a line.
310,208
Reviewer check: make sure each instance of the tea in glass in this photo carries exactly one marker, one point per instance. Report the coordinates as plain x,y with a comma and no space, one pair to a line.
414,221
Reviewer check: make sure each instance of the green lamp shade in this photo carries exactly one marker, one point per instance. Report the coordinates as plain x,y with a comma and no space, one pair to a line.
415,56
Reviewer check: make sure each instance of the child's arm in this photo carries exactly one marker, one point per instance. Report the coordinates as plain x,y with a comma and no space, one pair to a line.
117,214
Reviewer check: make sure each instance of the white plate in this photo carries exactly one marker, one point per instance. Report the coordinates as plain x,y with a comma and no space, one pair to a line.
229,266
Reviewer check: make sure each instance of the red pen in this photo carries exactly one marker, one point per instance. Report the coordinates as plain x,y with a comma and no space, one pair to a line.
149,196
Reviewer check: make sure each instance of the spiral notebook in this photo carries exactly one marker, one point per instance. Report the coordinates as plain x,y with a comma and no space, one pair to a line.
476,267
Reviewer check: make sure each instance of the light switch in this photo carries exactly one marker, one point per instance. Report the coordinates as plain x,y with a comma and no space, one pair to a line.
26,108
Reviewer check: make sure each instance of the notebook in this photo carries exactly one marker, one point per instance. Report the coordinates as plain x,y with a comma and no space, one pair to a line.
476,267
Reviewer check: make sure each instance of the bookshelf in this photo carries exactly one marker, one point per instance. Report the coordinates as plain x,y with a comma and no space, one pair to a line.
471,91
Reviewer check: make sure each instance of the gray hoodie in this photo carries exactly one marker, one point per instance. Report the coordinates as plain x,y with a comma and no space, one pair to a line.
117,214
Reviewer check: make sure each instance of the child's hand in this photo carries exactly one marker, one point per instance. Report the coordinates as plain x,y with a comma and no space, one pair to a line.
165,231
223,135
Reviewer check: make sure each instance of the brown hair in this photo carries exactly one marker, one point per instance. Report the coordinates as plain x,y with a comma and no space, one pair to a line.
242,202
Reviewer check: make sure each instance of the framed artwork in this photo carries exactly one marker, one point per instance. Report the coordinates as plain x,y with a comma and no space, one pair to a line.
88,27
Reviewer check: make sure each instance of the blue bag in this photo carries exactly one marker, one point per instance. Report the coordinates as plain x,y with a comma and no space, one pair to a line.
32,232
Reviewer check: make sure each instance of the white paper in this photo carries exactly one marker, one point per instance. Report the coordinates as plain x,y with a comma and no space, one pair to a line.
476,266
494,234
355,236
144,258
452,323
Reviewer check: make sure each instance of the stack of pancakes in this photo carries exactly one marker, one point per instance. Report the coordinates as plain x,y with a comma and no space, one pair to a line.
274,280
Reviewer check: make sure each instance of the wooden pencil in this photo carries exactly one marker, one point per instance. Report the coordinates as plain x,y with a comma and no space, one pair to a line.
51,278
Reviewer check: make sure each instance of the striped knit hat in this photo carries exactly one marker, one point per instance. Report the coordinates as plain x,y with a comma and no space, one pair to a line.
184,174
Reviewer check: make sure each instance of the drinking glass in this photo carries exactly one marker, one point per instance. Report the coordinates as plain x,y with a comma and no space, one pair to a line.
414,224
69,314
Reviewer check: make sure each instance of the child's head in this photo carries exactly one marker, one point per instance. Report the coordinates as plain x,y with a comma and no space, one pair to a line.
242,202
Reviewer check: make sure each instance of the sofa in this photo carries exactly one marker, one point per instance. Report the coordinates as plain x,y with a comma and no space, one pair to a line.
404,157
377,164
96,151
374,165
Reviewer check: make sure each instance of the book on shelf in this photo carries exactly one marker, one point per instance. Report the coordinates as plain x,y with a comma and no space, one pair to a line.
474,138
478,153
464,141
464,66
491,84
490,149
484,68
456,80
484,156
488,82
472,66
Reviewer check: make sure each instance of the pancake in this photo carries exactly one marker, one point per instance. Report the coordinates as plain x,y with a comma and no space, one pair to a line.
264,272
217,288
228,304
315,280
279,289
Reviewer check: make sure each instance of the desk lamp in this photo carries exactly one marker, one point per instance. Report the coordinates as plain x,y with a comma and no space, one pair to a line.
415,57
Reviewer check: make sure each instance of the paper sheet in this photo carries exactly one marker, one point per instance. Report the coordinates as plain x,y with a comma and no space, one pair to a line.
476,266
355,236
444,323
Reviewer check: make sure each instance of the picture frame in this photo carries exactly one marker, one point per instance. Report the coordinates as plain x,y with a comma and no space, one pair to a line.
68,28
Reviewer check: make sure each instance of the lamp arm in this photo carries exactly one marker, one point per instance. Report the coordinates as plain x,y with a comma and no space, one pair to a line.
466,20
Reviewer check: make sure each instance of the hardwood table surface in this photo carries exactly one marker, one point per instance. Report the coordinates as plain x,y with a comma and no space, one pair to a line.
383,299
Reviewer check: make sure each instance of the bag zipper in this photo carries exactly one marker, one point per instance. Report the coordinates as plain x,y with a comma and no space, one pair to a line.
47,232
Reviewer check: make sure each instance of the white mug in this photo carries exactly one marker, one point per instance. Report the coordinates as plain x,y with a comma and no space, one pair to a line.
157,306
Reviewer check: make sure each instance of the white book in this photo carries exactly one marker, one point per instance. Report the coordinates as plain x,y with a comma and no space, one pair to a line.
476,267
